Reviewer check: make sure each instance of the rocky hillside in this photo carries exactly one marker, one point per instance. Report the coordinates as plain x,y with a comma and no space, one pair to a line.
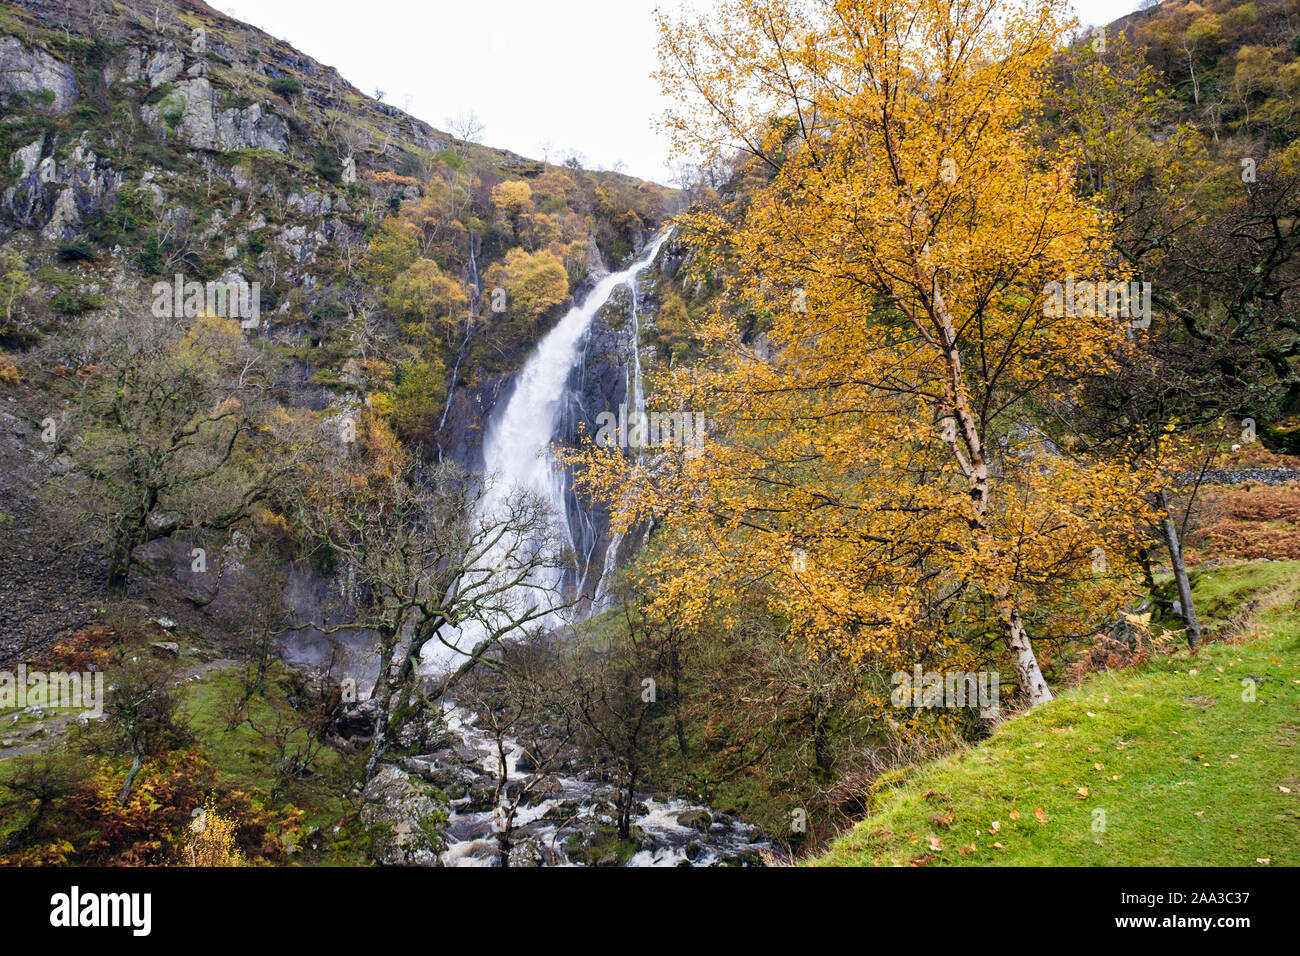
142,144
177,136
187,138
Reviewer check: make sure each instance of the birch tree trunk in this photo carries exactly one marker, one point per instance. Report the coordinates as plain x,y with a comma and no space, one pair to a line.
383,694
1023,660
137,761
974,464
1170,532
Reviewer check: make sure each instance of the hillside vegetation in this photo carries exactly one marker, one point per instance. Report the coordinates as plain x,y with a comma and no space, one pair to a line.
1188,760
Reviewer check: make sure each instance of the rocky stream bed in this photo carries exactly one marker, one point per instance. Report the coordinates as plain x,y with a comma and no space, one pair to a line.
443,810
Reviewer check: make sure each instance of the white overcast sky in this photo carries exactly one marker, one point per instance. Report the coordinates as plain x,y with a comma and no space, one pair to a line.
571,73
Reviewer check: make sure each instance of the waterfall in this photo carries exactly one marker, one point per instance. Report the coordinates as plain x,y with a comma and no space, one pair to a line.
469,329
517,452
517,444
600,600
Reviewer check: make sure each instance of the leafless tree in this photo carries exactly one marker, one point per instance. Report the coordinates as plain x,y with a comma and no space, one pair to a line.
171,435
140,712
437,562
615,695
515,705
467,127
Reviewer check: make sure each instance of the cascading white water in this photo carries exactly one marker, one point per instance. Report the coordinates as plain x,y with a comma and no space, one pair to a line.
517,446
600,600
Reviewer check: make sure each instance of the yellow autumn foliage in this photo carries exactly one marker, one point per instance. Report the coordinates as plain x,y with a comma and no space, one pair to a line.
212,839
882,376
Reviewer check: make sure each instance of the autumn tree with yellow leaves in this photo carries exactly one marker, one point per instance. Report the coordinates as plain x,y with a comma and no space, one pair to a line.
429,303
885,356
212,838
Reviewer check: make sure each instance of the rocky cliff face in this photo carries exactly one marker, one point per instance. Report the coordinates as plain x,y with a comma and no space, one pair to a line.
177,140
26,72
54,195
603,383
228,139
184,142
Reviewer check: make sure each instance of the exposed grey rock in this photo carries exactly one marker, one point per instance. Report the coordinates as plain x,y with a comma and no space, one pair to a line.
57,197
30,201
313,203
165,67
24,70
128,68
64,218
694,819
27,159
252,128
1241,476
406,815
204,126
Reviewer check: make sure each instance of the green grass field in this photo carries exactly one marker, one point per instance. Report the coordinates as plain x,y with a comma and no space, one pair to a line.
248,757
1168,764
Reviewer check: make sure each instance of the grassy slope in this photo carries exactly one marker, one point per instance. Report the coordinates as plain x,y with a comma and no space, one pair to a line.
1186,771
247,757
